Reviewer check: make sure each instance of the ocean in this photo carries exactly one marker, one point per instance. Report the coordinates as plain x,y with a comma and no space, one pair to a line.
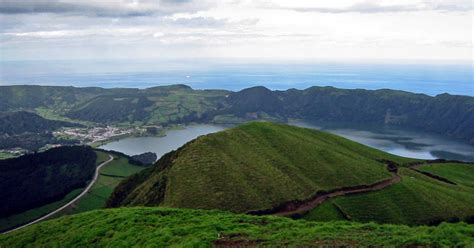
430,79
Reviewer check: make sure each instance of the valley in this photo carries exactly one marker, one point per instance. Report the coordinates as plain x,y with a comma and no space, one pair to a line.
238,155
180,104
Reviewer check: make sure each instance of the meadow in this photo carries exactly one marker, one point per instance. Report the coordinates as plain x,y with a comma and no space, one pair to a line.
164,227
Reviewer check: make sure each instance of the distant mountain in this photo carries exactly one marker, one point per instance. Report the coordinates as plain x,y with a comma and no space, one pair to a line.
445,114
30,131
13,123
37,179
253,167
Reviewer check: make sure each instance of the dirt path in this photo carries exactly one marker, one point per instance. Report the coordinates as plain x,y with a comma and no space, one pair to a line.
301,207
94,179
319,199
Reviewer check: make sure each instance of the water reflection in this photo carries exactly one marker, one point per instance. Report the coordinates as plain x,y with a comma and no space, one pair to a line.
161,145
399,142
404,143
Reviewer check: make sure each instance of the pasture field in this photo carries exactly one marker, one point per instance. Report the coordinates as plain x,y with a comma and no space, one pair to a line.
164,227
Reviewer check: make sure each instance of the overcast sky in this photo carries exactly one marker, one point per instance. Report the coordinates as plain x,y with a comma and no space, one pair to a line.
271,29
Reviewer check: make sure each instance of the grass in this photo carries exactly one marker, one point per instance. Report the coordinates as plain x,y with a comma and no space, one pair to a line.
163,227
417,199
51,114
327,211
258,166
462,174
101,157
110,176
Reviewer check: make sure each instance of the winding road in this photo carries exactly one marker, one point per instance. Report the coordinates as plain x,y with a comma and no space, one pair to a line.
89,186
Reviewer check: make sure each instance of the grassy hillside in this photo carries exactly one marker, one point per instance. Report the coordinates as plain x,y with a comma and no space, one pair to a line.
417,199
462,174
38,179
163,227
252,167
12,123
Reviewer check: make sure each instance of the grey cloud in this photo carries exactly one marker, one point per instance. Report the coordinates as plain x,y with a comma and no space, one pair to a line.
210,22
373,7
200,21
115,8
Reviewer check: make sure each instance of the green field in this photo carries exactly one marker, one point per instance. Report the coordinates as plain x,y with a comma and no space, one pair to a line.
417,199
327,211
110,176
101,157
255,166
163,227
462,174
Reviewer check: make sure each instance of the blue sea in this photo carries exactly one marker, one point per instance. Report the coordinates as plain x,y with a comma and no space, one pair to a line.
431,79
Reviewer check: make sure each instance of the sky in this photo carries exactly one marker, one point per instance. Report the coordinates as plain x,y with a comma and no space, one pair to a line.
260,29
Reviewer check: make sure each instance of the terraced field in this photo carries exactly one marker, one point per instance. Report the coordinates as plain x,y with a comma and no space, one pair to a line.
417,199
462,174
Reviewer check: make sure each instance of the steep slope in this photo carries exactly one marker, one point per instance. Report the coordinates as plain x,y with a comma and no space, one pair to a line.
30,131
37,179
252,167
417,199
12,123
163,227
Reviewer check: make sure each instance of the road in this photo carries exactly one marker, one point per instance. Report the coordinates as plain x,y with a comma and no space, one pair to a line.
96,175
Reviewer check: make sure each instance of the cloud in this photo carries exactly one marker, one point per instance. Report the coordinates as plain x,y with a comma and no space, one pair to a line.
369,7
117,32
110,8
205,21
199,21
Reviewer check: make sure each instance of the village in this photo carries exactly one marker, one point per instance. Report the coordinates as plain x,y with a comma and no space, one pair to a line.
95,135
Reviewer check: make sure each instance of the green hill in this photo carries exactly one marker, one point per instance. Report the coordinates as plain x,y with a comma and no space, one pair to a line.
462,174
254,166
417,199
12,123
163,227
